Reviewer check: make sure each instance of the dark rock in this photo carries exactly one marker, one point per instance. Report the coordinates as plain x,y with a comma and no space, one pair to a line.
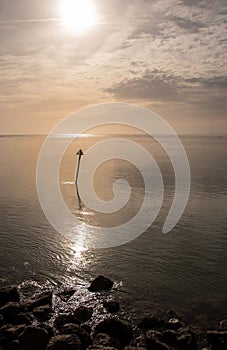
111,306
101,348
64,342
117,329
154,341
151,322
42,299
66,294
174,324
8,294
86,327
15,313
83,313
223,325
186,339
61,320
42,312
218,340
102,340
100,283
8,334
1,320
84,337
34,338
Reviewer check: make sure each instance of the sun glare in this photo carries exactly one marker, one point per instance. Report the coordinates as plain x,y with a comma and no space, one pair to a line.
78,15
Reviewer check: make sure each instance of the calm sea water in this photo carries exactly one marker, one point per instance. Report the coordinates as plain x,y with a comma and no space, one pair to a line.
185,269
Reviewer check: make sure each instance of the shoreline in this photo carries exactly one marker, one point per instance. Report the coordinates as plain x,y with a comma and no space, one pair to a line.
55,321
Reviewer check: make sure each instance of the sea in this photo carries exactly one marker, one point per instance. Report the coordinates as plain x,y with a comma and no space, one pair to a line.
184,269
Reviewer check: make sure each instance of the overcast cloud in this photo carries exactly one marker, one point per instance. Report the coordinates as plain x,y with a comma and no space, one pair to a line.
156,53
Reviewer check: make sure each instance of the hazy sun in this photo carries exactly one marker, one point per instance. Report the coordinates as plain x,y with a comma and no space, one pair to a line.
78,15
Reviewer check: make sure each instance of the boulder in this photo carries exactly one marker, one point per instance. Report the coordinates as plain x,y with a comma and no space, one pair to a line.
9,334
111,306
15,313
84,337
86,327
100,283
35,338
42,299
42,312
102,340
155,341
119,330
64,342
83,313
174,324
186,339
8,294
218,340
61,320
66,294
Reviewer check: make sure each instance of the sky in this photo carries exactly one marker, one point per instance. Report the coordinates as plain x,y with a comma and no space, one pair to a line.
167,55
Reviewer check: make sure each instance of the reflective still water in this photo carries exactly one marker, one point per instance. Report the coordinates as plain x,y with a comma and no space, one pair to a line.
184,269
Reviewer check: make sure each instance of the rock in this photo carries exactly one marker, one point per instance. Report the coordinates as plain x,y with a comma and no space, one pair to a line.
100,283
61,320
151,322
119,330
34,338
223,325
15,313
1,320
42,299
154,341
174,324
8,294
66,294
102,340
84,337
83,313
86,327
111,306
218,340
64,342
42,312
9,334
186,339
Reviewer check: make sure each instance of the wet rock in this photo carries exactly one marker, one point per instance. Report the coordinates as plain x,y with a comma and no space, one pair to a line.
223,325
111,306
42,312
186,339
102,340
155,341
66,294
151,322
218,340
61,320
9,334
15,313
100,283
8,294
174,323
87,328
64,342
84,337
42,299
34,338
83,313
119,330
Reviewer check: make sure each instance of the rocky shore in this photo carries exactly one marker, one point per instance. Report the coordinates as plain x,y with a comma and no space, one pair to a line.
35,323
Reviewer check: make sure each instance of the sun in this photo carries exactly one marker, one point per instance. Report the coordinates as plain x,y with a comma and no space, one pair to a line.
78,15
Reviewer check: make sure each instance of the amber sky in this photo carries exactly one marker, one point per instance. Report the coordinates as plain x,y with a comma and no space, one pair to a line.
168,55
